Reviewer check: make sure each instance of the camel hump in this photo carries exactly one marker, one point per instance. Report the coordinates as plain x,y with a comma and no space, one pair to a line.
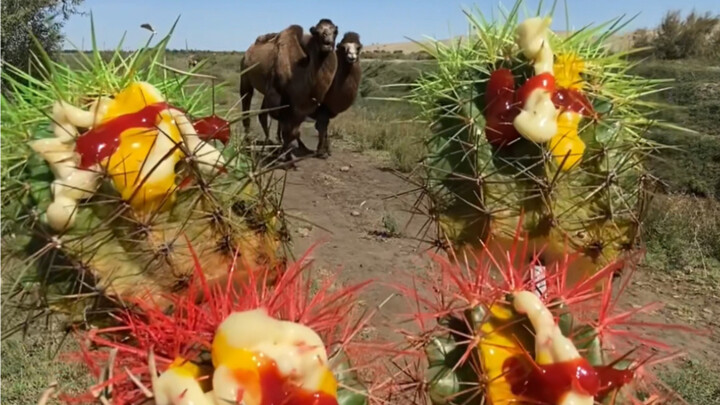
266,38
289,45
295,31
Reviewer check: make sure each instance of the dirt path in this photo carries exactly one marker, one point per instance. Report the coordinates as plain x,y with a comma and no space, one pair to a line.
348,203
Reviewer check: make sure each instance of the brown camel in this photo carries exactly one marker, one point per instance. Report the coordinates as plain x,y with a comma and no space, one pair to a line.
343,90
293,71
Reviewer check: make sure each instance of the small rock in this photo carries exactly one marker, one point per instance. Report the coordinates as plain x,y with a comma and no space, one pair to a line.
345,169
304,232
355,213
708,311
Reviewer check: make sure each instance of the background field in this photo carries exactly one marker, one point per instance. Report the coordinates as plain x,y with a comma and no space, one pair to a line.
377,138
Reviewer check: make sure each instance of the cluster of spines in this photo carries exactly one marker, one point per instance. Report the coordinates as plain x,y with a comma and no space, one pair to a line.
471,184
60,269
123,366
441,363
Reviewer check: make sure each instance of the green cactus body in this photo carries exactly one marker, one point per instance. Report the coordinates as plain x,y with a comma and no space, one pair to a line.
583,191
535,162
119,244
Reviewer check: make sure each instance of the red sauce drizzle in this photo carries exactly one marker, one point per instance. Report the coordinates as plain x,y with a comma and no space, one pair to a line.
500,108
213,127
102,141
275,389
573,100
545,81
547,384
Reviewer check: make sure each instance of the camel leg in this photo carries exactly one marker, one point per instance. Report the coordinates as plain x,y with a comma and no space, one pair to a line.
321,125
263,118
246,94
287,134
302,148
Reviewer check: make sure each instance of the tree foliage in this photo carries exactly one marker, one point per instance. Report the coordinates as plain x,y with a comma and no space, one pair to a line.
697,36
24,19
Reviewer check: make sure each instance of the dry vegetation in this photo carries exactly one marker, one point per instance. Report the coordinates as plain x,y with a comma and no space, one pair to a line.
695,36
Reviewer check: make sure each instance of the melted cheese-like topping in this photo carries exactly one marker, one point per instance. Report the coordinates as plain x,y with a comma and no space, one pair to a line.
551,346
533,41
209,158
244,343
143,166
178,385
245,337
71,184
537,120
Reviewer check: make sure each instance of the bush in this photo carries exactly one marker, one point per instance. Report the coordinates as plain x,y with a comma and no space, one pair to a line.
23,19
683,233
697,36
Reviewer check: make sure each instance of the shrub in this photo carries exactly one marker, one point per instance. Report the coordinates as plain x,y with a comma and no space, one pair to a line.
696,36
24,19
683,233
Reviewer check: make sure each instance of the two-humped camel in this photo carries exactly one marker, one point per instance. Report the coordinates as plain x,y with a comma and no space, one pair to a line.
293,71
343,90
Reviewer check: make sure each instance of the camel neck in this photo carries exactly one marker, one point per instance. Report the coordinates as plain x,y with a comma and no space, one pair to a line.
314,48
344,67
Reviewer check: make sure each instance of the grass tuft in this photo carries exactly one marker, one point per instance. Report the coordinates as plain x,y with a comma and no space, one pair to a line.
683,234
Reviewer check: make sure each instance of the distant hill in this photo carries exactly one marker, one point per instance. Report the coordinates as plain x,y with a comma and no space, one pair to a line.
618,42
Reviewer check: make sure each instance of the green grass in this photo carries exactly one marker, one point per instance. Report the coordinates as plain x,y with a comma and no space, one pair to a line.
695,382
682,233
383,126
28,368
692,163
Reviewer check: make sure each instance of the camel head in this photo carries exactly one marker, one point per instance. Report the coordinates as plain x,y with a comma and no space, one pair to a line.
325,33
350,47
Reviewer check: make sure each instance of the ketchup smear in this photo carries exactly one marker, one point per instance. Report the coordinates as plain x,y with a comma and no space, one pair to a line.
277,390
500,108
547,384
573,100
102,141
213,127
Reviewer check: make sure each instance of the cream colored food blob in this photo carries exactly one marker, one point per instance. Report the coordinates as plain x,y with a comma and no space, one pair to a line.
297,350
73,184
208,157
532,38
537,120
551,346
176,388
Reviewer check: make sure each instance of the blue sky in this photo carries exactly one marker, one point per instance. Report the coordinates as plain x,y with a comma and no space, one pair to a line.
224,25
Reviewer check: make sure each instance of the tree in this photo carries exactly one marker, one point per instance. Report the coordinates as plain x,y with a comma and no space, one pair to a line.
698,36
23,19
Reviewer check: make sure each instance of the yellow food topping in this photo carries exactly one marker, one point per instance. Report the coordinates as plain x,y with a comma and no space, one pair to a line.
567,70
567,142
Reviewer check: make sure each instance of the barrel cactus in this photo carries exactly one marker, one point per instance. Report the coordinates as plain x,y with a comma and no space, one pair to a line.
534,178
242,342
488,333
114,171
540,130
